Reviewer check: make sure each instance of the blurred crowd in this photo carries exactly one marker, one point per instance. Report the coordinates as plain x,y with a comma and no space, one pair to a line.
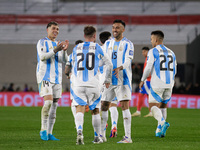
137,70
193,89
11,88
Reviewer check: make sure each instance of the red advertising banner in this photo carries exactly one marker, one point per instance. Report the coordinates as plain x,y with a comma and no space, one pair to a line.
33,99
29,99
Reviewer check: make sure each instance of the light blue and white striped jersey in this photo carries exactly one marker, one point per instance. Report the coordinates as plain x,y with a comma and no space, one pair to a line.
161,62
85,59
69,62
49,64
102,72
121,54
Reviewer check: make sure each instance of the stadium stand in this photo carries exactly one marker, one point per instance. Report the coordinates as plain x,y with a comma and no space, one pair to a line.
23,23
18,16
99,7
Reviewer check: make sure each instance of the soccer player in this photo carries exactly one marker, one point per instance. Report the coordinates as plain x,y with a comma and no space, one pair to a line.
86,89
161,63
145,88
104,36
49,77
120,51
68,67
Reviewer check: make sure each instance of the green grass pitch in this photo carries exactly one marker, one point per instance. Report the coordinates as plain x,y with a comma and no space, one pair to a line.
20,126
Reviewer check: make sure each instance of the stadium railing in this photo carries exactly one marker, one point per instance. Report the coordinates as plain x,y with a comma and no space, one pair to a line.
100,19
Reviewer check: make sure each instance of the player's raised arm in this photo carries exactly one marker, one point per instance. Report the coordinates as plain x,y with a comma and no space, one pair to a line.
42,52
65,45
68,66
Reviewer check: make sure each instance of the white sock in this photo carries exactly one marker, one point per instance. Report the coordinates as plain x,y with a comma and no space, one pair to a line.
127,122
157,115
45,114
164,112
158,129
96,122
114,116
104,122
52,117
73,109
79,119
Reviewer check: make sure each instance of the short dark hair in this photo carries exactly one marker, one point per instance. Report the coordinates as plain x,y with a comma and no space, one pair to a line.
120,21
52,23
89,31
78,41
104,36
145,48
158,33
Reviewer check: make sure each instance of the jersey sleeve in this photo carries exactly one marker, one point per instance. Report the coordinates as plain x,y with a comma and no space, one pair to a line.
175,64
69,60
66,56
149,66
41,49
106,61
128,55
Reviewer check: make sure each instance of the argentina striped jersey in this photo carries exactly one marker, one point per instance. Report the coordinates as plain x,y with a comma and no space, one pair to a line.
161,62
49,64
85,59
121,54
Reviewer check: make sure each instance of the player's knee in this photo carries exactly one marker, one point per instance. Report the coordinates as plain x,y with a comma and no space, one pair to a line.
163,105
55,100
105,106
124,104
95,111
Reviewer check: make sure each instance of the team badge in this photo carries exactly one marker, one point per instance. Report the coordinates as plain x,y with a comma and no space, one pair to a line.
125,96
50,47
115,47
110,48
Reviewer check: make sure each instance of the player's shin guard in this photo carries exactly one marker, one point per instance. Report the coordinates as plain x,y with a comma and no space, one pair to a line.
158,115
52,117
104,122
127,122
114,116
73,108
96,122
79,119
164,112
45,114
